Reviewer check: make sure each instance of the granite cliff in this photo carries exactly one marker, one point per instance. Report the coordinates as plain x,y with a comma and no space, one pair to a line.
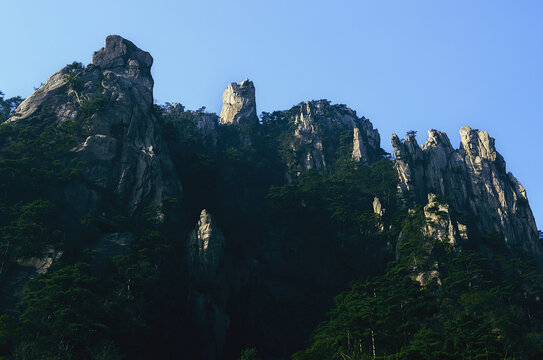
474,180
317,120
112,100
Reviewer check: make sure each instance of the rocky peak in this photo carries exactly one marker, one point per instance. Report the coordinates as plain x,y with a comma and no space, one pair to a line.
118,54
124,59
438,139
477,143
174,109
239,104
318,123
112,100
409,160
406,149
477,146
473,178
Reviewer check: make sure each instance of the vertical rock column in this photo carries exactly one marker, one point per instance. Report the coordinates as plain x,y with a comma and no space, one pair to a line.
239,104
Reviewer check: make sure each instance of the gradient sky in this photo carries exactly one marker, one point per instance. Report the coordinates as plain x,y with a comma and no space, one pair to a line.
405,65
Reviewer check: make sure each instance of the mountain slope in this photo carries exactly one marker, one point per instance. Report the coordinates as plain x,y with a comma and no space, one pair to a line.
160,232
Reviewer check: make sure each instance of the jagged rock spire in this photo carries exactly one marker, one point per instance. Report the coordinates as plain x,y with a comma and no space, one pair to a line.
205,247
473,178
239,104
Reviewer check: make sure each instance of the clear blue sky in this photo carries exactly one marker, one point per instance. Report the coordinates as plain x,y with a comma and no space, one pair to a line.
406,65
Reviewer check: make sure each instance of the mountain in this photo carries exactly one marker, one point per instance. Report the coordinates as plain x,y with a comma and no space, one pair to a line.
137,230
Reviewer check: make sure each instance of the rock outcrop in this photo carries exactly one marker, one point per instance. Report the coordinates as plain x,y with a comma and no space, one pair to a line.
426,277
239,104
205,248
25,270
41,264
377,207
112,101
205,252
366,143
318,128
439,222
379,212
474,181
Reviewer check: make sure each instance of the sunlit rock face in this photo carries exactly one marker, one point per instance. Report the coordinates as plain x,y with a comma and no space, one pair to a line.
112,101
366,143
205,248
440,223
474,181
315,129
319,125
239,104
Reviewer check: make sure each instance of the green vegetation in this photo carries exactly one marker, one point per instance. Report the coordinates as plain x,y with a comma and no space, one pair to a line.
476,308
76,311
249,354
30,189
8,106
74,79
87,306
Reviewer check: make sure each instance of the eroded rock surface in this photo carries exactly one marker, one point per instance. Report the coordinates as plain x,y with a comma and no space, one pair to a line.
239,104
318,124
474,180
205,248
112,100
440,224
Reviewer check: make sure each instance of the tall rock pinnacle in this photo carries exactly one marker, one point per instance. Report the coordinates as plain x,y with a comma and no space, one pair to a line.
239,104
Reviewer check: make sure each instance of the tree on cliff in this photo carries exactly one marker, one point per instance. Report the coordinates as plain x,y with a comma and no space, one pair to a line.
8,106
